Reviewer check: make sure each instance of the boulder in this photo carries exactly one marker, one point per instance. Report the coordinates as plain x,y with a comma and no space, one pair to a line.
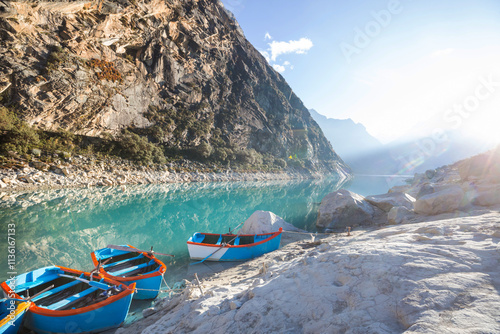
483,166
399,214
430,173
387,201
446,200
485,194
265,222
344,208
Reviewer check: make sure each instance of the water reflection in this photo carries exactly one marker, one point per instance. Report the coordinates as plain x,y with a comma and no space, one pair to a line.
63,226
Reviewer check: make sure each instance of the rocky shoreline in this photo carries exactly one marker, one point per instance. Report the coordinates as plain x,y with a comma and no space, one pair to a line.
82,171
433,269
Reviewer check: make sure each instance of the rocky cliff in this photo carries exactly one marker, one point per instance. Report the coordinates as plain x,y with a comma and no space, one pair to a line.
180,73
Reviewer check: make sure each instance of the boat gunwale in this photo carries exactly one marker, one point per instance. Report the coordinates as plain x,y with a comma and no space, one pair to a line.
20,309
157,272
272,235
82,310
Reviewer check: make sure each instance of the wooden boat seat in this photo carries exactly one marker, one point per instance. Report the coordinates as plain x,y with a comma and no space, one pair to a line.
112,264
130,269
30,284
237,241
71,299
56,290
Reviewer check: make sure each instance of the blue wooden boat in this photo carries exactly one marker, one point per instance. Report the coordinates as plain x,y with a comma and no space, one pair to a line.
12,313
131,266
231,247
72,302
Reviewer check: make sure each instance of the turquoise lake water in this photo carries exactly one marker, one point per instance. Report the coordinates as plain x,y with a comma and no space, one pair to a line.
63,226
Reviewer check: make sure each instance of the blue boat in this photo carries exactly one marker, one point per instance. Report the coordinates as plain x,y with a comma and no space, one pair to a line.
130,265
231,247
12,313
70,301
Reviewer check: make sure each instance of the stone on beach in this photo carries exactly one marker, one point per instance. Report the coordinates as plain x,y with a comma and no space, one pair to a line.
447,200
387,201
344,208
432,277
264,222
399,214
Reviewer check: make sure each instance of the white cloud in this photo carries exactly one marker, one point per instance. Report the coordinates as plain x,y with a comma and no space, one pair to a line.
267,36
279,68
299,47
286,63
266,55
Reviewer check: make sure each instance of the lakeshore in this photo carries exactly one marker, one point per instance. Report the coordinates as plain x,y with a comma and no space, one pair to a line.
434,268
440,275
82,171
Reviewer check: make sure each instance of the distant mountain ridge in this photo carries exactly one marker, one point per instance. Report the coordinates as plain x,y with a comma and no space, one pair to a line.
360,150
414,153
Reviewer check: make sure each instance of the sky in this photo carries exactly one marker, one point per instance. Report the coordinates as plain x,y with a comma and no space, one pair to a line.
402,68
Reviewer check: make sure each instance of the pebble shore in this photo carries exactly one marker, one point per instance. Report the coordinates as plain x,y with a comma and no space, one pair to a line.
87,172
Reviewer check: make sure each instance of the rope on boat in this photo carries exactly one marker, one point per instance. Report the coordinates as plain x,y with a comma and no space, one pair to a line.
169,289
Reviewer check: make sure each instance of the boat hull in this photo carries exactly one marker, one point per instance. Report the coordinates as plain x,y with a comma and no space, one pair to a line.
148,284
209,252
96,320
13,313
107,312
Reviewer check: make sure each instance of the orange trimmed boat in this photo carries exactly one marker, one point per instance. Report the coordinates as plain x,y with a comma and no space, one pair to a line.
130,265
70,301
231,247
12,313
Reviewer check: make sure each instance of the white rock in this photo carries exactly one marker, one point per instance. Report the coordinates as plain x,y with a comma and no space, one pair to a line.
344,208
265,222
486,194
387,201
432,277
447,200
399,214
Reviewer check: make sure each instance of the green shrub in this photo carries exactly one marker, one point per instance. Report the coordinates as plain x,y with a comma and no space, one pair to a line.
204,150
249,156
220,154
7,119
57,56
137,148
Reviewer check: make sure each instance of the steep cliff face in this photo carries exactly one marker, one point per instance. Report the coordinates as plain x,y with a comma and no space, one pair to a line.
179,72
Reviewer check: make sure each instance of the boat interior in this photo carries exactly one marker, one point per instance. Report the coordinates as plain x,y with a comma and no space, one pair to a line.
229,239
65,291
129,264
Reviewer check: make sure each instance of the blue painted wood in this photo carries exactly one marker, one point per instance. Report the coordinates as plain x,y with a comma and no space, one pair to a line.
143,285
129,269
107,266
70,299
55,290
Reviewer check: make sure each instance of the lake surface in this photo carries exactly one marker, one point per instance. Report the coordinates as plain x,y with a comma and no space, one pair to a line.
63,226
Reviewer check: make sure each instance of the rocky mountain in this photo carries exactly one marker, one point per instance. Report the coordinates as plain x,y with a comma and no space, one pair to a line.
360,150
179,72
